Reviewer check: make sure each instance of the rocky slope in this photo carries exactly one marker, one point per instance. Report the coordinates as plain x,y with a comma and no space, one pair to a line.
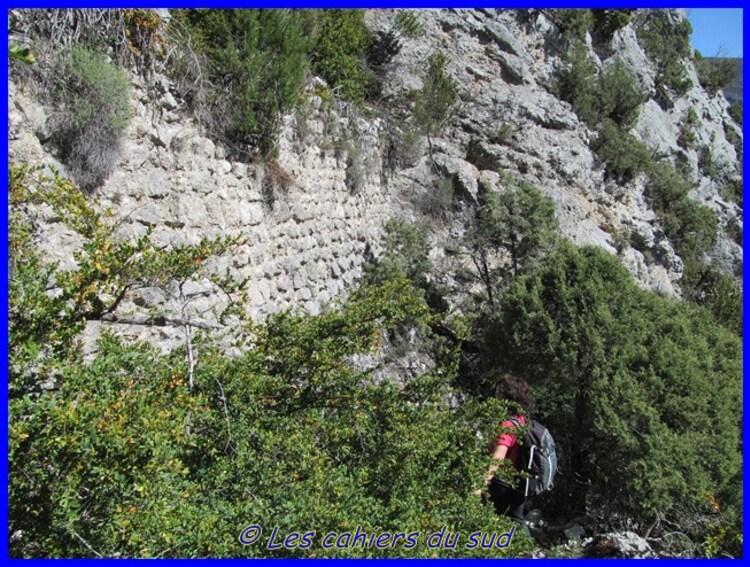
313,218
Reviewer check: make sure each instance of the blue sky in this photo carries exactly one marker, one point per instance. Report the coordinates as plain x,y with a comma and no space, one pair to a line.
717,28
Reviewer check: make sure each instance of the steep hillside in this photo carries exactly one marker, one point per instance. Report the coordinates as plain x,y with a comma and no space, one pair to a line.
263,251
308,228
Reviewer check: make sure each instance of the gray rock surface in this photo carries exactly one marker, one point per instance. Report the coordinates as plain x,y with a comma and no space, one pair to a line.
307,248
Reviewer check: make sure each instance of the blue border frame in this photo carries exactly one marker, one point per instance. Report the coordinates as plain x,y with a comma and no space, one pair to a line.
329,4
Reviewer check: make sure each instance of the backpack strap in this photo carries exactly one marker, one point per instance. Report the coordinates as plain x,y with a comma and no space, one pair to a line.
531,481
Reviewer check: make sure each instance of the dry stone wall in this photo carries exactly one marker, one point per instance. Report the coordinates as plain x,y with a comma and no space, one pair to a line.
311,218
308,226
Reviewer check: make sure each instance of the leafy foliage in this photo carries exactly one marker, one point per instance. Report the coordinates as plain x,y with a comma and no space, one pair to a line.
436,101
691,227
613,95
577,84
341,45
520,221
141,454
43,323
257,62
607,22
20,53
94,111
735,111
624,154
666,41
124,460
714,73
405,253
574,23
687,129
643,394
620,97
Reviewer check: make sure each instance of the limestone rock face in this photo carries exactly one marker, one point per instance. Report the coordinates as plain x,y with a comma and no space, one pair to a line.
310,219
618,545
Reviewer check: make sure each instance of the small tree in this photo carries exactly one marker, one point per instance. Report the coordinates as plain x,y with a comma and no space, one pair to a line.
520,222
619,96
577,84
436,101
641,393
94,111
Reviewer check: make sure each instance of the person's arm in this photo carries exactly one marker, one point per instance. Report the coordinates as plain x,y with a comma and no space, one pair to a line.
500,452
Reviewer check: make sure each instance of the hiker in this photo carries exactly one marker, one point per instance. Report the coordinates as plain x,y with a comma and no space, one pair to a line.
507,499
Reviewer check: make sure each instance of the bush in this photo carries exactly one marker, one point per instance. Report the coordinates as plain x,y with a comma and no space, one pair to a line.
94,112
687,129
511,232
691,227
732,191
405,253
578,83
289,435
619,96
624,155
614,95
436,101
257,61
706,162
715,73
607,22
574,24
721,294
735,111
666,40
49,307
642,394
339,50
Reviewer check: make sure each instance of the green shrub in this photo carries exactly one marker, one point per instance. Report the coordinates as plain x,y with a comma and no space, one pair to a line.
575,23
691,227
577,84
619,97
108,269
614,95
666,41
405,253
519,224
687,129
732,190
706,162
387,44
136,453
718,292
94,113
607,22
436,101
715,73
735,111
734,231
257,61
642,394
624,155
665,187
341,45
289,435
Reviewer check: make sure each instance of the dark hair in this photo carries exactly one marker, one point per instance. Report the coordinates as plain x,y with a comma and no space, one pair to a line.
514,389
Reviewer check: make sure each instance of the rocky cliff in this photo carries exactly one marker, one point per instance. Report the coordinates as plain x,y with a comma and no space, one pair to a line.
313,216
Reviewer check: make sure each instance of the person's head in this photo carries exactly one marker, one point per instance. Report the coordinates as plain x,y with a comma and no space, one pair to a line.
514,389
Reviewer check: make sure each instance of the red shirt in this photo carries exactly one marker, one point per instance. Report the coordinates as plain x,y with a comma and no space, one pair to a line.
510,440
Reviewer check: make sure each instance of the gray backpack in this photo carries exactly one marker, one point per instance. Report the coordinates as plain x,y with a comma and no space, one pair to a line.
538,457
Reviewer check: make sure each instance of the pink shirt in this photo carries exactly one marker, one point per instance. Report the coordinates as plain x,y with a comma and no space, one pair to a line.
510,440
